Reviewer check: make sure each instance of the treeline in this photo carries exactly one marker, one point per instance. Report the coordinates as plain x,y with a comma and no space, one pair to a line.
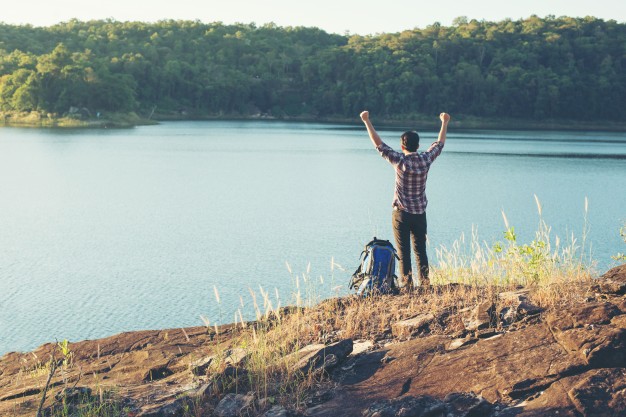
551,68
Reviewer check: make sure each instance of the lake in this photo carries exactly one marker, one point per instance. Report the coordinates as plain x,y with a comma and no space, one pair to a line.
103,231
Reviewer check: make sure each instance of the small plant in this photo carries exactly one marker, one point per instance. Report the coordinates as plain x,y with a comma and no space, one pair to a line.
621,256
543,262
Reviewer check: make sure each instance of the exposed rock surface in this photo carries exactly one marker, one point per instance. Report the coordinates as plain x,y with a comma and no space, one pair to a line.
507,358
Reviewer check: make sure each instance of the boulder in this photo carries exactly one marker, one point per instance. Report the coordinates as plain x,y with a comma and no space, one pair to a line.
601,393
199,367
234,405
480,317
171,409
588,331
407,328
407,406
276,411
460,342
517,305
612,282
464,404
361,346
314,357
453,405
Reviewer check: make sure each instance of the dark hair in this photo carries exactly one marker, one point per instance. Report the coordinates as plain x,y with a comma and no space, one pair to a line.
410,140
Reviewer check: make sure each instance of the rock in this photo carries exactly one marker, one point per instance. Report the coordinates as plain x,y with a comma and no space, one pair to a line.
319,397
612,282
480,317
516,306
589,314
205,391
361,346
406,328
601,393
276,411
454,405
157,373
587,330
231,379
74,395
486,333
460,342
421,406
236,356
233,405
463,404
200,366
172,409
314,357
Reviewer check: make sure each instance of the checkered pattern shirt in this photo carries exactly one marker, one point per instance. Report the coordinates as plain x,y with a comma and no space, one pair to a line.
411,173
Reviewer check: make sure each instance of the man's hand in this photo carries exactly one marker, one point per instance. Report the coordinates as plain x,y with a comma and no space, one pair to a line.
376,141
445,118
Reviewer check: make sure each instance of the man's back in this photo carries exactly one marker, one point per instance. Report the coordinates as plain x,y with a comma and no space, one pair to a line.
411,174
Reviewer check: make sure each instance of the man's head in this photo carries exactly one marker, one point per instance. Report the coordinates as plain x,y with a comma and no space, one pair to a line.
410,141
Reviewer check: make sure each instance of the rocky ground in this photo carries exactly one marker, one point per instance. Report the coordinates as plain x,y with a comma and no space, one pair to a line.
520,360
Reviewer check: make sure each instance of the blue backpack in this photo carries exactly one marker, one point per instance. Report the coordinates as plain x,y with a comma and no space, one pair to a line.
377,272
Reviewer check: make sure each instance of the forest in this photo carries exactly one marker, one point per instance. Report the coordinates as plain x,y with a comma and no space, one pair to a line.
530,69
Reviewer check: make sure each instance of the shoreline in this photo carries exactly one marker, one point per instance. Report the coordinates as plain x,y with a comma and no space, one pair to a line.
460,122
421,122
38,120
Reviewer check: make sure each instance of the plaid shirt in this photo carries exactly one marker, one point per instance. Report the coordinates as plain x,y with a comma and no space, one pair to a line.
411,172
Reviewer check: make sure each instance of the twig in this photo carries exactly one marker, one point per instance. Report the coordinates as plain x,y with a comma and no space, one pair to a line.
53,368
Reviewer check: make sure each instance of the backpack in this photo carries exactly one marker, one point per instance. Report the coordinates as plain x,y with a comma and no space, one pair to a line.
377,272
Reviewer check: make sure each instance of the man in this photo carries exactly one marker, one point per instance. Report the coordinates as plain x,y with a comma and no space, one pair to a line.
409,199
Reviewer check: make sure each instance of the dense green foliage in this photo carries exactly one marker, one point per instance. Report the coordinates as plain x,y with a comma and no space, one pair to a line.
559,68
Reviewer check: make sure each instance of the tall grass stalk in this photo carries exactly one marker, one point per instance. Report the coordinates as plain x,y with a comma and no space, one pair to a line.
545,261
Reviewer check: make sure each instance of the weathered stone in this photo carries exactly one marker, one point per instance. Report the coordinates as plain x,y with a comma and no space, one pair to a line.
276,411
319,397
157,373
171,409
602,393
486,333
480,317
407,407
588,331
460,342
236,356
326,357
590,314
361,346
516,306
205,391
200,366
233,405
464,404
454,405
73,395
612,282
619,321
410,327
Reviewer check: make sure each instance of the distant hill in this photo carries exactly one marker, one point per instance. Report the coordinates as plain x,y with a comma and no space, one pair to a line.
531,69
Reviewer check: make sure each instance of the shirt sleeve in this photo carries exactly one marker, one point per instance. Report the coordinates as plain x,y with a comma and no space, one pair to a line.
393,157
434,151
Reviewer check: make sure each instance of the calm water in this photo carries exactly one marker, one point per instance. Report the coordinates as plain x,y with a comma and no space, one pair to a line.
103,231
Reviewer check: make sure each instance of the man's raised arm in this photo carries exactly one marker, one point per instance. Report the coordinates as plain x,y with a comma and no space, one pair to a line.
445,118
365,116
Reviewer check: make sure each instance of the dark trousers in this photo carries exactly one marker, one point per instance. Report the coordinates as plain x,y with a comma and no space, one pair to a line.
409,227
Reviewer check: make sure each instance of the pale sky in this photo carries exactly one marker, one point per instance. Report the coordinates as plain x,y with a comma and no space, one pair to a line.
336,16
